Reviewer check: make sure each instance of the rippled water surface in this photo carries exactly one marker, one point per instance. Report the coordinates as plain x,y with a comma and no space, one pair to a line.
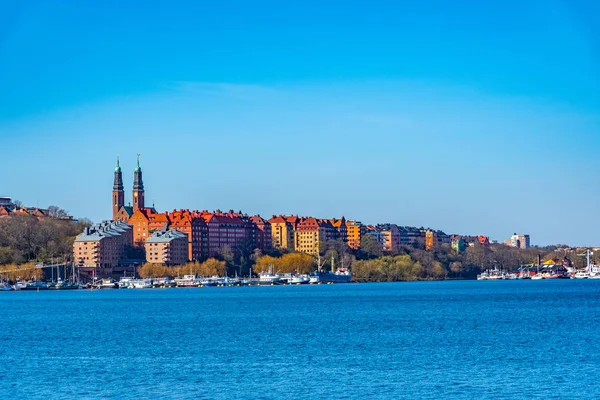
512,339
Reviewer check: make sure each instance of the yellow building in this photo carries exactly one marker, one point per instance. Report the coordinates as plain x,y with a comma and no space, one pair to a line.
310,232
283,231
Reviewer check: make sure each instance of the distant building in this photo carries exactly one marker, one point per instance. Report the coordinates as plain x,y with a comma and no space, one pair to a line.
341,228
458,243
8,208
225,229
194,226
411,236
283,230
390,234
6,202
429,240
354,233
145,221
477,240
103,245
520,241
167,247
310,232
260,232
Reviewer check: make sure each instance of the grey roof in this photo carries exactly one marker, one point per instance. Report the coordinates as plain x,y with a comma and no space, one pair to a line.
103,229
166,236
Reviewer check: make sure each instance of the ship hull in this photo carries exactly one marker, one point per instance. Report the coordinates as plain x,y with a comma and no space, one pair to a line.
328,277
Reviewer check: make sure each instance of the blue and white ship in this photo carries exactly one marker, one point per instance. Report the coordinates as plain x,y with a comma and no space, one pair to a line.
341,275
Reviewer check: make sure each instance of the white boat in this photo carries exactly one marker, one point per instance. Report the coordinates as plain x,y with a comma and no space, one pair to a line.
20,285
581,275
141,283
124,283
109,284
187,281
268,278
299,279
495,275
537,277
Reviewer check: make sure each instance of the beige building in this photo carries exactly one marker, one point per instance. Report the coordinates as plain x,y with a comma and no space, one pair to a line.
103,245
283,230
167,247
312,232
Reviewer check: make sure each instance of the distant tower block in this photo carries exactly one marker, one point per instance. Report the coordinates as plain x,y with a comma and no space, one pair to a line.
138,187
118,194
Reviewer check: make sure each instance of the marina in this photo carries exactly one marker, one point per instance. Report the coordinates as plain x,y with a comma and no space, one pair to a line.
550,269
187,281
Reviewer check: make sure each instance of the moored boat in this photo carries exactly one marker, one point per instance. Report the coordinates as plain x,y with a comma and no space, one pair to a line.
341,275
187,281
5,287
37,285
299,279
268,279
581,275
64,285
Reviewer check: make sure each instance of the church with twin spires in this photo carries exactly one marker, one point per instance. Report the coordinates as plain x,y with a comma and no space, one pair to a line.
120,211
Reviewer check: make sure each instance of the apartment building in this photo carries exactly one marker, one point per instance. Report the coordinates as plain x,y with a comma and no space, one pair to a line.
168,247
103,245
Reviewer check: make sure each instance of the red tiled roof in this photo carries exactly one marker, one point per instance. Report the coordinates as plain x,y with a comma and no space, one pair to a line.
277,220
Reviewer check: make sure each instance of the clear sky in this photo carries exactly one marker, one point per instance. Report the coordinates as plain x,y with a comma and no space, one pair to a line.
474,117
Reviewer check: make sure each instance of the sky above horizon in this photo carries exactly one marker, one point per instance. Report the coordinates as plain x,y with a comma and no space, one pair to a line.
466,116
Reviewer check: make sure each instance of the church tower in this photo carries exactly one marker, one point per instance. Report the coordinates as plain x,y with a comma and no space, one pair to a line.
138,187
118,194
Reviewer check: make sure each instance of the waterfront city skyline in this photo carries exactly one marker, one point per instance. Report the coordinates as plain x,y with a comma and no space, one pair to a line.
493,130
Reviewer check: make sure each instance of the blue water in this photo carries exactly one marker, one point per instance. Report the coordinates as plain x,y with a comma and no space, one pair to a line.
507,339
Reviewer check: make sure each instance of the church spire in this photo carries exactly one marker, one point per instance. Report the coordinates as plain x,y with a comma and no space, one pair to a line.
138,187
118,194
118,184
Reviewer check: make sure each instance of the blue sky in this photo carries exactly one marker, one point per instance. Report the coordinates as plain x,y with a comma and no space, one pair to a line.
463,116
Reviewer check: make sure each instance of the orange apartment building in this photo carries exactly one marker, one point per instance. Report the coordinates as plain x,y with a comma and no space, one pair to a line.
354,233
434,238
145,221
